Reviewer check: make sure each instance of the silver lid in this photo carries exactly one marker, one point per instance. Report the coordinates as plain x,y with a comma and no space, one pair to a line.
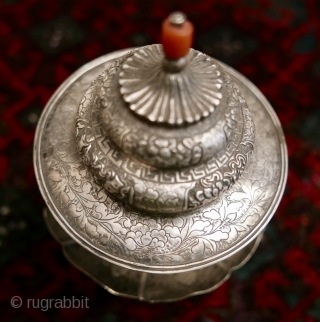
164,168
151,194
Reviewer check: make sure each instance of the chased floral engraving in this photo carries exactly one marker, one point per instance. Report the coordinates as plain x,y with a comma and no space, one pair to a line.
163,240
152,242
153,145
212,185
157,189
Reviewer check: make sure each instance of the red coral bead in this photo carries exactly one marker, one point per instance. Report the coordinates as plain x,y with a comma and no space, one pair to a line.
176,40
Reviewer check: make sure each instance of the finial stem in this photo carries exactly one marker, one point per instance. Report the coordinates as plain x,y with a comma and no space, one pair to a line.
177,18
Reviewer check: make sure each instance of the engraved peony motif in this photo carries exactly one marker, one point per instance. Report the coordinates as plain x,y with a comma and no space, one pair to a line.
172,98
140,234
128,180
166,240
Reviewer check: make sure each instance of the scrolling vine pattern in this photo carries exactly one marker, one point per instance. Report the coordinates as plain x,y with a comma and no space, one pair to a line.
164,240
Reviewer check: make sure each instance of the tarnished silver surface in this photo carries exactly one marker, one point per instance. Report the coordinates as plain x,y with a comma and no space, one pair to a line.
151,242
147,286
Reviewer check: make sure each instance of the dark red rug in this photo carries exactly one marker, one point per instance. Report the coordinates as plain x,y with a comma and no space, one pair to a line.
275,43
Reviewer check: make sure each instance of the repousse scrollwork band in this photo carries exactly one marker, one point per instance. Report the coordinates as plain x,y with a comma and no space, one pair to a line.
156,189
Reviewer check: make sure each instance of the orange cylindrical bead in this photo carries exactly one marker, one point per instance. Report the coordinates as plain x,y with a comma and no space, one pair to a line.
176,40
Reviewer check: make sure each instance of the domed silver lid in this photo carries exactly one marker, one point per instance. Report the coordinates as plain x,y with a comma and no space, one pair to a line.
166,167
156,166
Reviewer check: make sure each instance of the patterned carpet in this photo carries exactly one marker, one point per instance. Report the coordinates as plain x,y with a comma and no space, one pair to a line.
275,43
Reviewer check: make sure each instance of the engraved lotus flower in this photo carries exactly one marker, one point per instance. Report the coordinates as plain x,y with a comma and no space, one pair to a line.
172,98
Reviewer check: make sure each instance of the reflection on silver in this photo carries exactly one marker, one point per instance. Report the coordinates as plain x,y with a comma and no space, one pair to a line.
166,97
147,286
177,18
152,202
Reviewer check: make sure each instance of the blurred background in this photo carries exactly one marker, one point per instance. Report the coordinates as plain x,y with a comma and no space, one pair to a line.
274,43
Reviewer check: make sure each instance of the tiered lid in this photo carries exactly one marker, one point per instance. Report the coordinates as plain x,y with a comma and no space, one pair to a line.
157,165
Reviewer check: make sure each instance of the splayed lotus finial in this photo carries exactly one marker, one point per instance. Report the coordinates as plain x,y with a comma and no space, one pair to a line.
172,83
